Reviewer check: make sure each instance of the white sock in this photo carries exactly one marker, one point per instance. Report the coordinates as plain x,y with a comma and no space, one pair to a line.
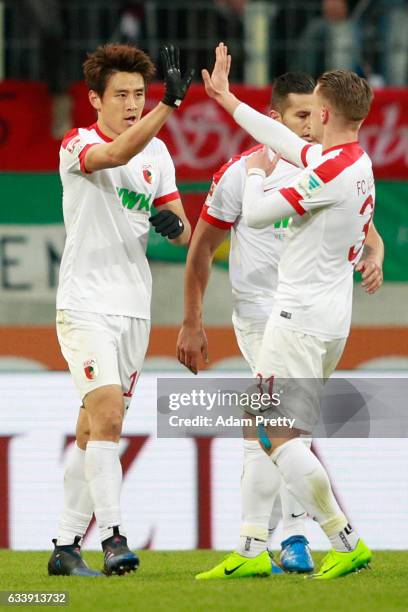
251,547
78,504
103,472
345,540
293,515
307,479
259,487
274,519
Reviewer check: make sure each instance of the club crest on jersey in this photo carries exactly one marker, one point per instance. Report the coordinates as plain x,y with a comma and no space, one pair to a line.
91,369
309,184
73,145
147,174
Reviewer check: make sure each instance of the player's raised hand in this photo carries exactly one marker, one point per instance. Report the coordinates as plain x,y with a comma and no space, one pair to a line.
217,83
260,159
191,345
176,84
371,274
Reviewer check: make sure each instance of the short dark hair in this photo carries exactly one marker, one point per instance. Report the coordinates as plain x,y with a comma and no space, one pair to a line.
111,58
350,94
290,82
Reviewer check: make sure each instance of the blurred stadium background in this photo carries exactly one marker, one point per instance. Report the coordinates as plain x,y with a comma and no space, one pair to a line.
182,493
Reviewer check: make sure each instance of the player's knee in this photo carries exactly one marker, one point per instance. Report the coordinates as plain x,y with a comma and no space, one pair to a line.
106,410
108,424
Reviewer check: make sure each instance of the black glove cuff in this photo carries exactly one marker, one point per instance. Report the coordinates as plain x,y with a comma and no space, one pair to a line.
170,100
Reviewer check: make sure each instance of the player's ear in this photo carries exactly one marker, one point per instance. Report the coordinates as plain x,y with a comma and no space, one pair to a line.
94,100
324,115
275,115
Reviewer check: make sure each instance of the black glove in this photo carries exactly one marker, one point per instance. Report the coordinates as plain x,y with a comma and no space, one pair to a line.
176,86
167,223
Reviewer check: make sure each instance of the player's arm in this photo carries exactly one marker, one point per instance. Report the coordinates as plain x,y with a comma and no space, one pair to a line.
133,140
172,223
260,210
128,144
371,262
192,341
264,129
171,220
309,190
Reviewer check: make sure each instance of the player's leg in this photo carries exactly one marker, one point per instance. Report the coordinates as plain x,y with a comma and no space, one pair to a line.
303,473
256,490
308,480
103,471
295,554
132,344
78,505
74,336
77,512
89,344
258,487
251,557
257,494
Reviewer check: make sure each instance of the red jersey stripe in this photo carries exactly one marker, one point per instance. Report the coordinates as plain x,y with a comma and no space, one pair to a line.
82,158
347,145
69,136
303,154
95,127
175,195
225,225
218,175
348,155
293,197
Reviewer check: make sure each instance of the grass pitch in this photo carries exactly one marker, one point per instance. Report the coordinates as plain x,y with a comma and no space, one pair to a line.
165,582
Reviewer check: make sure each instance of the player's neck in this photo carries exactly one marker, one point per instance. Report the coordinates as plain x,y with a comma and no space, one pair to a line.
334,138
106,131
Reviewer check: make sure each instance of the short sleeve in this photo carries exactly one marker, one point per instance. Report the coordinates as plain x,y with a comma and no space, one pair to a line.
224,200
73,151
167,188
308,191
320,184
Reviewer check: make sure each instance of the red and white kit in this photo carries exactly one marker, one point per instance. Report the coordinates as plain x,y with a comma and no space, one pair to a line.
333,202
254,254
104,274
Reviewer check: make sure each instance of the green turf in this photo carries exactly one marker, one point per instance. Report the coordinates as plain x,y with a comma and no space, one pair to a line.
165,581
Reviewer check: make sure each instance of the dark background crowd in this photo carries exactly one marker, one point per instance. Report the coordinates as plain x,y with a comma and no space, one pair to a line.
48,39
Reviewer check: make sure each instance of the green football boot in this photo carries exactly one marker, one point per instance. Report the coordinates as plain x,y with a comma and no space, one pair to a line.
336,564
236,566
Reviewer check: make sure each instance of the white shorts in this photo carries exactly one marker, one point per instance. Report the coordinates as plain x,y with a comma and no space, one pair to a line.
301,363
103,349
249,334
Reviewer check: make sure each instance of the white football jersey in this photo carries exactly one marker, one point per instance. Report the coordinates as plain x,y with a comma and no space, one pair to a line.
334,201
254,254
104,267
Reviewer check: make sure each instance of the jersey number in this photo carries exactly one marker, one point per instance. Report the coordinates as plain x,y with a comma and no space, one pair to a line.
133,379
261,380
355,250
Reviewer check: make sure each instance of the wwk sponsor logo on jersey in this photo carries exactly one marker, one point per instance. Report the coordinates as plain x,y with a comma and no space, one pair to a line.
91,369
131,199
309,184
